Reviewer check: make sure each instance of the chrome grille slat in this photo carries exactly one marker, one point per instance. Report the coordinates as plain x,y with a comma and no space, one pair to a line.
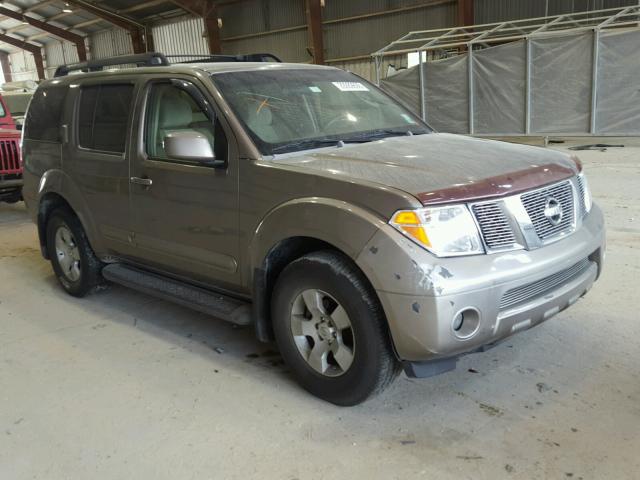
539,288
535,201
494,226
581,204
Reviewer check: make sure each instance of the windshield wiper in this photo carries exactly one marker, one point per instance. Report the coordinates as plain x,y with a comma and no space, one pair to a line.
377,135
339,142
316,143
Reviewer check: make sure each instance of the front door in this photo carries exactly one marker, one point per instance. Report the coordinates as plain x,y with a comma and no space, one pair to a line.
185,213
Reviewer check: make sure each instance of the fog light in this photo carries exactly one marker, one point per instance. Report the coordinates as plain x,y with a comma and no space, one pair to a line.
466,323
458,320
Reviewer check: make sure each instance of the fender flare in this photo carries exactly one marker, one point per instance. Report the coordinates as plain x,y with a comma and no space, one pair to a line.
345,226
339,224
57,182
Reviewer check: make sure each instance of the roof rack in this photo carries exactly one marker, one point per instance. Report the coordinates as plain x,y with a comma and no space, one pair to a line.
152,59
249,57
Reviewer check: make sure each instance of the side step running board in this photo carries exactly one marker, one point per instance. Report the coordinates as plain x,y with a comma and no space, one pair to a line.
214,304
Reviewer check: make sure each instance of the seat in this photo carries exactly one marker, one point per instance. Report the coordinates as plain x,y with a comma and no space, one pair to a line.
175,114
260,120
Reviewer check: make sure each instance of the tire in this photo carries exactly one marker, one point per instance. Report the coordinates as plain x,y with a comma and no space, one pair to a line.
14,197
342,365
74,263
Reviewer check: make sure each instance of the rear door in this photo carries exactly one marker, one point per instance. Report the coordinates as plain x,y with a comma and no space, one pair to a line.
185,214
95,156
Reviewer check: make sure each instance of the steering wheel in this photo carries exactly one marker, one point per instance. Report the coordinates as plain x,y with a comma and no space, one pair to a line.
342,118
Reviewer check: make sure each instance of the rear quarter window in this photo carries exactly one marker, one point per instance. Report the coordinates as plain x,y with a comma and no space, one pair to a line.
45,114
103,117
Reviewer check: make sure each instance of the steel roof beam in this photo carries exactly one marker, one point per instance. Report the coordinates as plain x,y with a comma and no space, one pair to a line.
136,29
28,47
53,30
94,21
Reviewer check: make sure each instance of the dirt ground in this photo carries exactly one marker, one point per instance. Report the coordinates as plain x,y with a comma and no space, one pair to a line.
120,385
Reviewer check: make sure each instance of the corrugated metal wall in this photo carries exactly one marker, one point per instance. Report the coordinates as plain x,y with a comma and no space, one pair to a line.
490,11
353,29
369,31
367,69
109,43
244,25
182,36
23,66
59,53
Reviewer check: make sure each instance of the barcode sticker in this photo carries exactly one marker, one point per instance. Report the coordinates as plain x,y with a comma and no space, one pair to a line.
350,86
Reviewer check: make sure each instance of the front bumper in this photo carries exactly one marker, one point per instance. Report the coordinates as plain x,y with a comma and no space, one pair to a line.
8,187
422,294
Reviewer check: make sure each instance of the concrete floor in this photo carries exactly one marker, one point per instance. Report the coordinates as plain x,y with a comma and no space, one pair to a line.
120,385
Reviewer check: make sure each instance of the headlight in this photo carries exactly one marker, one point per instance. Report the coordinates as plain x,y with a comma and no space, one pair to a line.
445,231
586,193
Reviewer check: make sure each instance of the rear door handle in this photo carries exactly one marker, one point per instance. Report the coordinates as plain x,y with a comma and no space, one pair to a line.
145,182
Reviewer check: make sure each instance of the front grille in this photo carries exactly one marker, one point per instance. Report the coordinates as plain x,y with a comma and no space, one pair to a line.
9,157
581,204
541,287
534,203
495,228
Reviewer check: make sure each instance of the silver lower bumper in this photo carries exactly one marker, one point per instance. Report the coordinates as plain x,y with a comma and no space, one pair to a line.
422,304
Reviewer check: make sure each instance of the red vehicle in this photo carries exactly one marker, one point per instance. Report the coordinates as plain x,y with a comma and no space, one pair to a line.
10,166
6,120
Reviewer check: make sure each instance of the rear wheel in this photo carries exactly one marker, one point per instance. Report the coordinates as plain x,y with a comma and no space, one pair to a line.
331,329
73,261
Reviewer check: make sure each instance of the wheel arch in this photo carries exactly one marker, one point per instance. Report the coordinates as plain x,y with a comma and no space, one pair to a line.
295,229
56,191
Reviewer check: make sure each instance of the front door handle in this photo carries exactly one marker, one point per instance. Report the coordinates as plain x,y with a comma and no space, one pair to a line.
145,182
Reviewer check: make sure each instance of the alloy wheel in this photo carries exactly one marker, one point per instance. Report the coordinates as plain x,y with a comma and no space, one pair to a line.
67,253
322,332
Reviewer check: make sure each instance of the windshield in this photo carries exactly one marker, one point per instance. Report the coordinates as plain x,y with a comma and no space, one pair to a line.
291,110
17,104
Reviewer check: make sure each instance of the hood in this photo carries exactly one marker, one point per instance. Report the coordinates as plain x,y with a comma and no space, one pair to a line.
10,133
440,168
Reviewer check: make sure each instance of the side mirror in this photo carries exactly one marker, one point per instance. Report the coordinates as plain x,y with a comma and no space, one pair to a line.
192,146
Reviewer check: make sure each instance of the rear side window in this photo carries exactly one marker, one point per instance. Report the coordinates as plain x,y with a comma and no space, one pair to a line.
103,116
45,114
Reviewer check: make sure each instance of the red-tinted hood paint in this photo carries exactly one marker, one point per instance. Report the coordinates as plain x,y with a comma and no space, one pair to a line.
500,185
442,168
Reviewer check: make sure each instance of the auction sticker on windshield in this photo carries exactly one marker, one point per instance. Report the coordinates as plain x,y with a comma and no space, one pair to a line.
350,86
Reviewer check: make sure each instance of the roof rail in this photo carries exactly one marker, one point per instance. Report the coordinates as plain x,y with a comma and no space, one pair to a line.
151,59
248,57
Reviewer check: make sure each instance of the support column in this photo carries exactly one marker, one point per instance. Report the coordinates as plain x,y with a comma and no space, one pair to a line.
314,27
212,30
37,57
208,11
6,66
465,13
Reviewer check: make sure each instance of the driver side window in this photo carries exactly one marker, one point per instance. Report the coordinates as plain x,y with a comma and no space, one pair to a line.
169,110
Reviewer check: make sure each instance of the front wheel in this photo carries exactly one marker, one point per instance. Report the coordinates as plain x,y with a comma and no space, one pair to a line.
73,261
331,330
